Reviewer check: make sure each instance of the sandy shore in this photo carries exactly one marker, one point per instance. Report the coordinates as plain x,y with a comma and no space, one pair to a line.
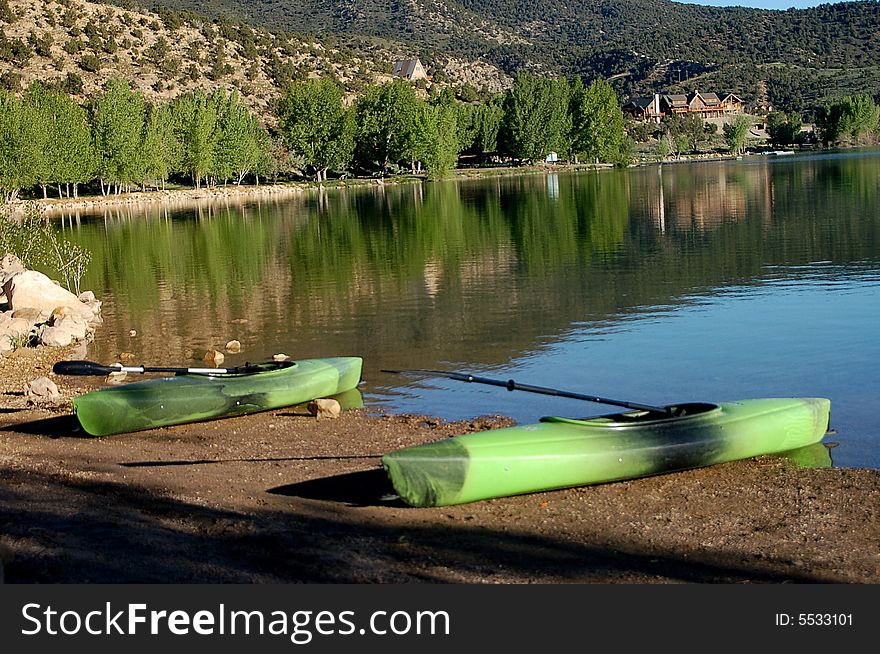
283,497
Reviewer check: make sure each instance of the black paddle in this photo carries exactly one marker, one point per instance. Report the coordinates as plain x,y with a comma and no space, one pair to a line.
87,368
514,386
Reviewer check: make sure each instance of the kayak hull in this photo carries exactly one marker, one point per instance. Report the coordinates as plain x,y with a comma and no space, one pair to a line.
191,398
562,452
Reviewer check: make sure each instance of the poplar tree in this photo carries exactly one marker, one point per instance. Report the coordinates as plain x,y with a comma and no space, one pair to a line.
18,147
118,116
386,121
536,116
316,125
195,128
158,146
436,139
597,122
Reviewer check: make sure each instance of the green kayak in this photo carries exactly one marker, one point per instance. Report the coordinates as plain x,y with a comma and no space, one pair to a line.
564,452
194,397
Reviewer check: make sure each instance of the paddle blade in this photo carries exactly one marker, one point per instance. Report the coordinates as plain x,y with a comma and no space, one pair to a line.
83,368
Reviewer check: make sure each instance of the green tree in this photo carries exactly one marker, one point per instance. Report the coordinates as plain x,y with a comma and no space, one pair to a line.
598,126
158,146
240,138
437,143
316,125
784,129
386,117
63,137
194,121
862,116
118,116
19,146
536,117
736,133
487,121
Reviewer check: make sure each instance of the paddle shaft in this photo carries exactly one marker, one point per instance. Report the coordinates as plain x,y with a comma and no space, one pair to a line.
511,385
86,368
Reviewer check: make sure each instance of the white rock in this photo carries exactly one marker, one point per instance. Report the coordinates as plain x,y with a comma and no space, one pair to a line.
213,357
33,289
117,377
10,266
233,347
280,357
77,327
14,327
41,390
55,337
324,408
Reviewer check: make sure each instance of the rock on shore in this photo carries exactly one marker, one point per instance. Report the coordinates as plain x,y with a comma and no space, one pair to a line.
39,311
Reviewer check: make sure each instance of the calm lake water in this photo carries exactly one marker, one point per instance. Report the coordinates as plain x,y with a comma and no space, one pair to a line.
711,281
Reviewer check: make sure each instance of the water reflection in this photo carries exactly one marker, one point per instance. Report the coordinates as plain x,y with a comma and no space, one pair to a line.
499,272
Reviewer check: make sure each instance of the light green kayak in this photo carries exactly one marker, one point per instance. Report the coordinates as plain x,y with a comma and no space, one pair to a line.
564,452
194,397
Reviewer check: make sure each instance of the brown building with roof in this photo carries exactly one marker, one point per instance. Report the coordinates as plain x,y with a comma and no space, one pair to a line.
702,105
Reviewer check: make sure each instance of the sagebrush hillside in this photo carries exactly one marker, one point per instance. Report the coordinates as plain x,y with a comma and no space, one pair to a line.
77,46
791,58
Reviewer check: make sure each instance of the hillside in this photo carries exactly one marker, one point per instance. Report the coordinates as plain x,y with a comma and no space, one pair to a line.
647,45
793,59
77,46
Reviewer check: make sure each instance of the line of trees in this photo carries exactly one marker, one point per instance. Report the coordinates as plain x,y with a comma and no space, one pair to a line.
117,141
120,142
389,127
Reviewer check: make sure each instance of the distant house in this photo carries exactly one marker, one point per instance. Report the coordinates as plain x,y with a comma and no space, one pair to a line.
644,108
703,105
410,69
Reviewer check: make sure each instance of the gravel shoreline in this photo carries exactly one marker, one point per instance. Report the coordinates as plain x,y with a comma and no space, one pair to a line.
280,497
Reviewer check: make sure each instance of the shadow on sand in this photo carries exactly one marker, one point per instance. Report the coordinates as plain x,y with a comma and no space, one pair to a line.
363,488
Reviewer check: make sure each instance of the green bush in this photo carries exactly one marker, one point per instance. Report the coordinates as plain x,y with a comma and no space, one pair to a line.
40,246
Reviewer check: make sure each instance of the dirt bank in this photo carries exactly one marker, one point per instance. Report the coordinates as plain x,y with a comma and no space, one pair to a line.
282,497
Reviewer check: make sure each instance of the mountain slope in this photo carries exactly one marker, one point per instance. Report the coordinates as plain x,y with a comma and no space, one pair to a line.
636,40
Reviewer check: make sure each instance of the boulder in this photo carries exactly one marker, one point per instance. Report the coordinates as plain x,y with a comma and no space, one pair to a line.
55,337
14,326
77,327
233,347
33,289
41,390
31,314
324,408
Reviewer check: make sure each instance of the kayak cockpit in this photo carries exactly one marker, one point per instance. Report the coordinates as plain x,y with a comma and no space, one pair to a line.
677,412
